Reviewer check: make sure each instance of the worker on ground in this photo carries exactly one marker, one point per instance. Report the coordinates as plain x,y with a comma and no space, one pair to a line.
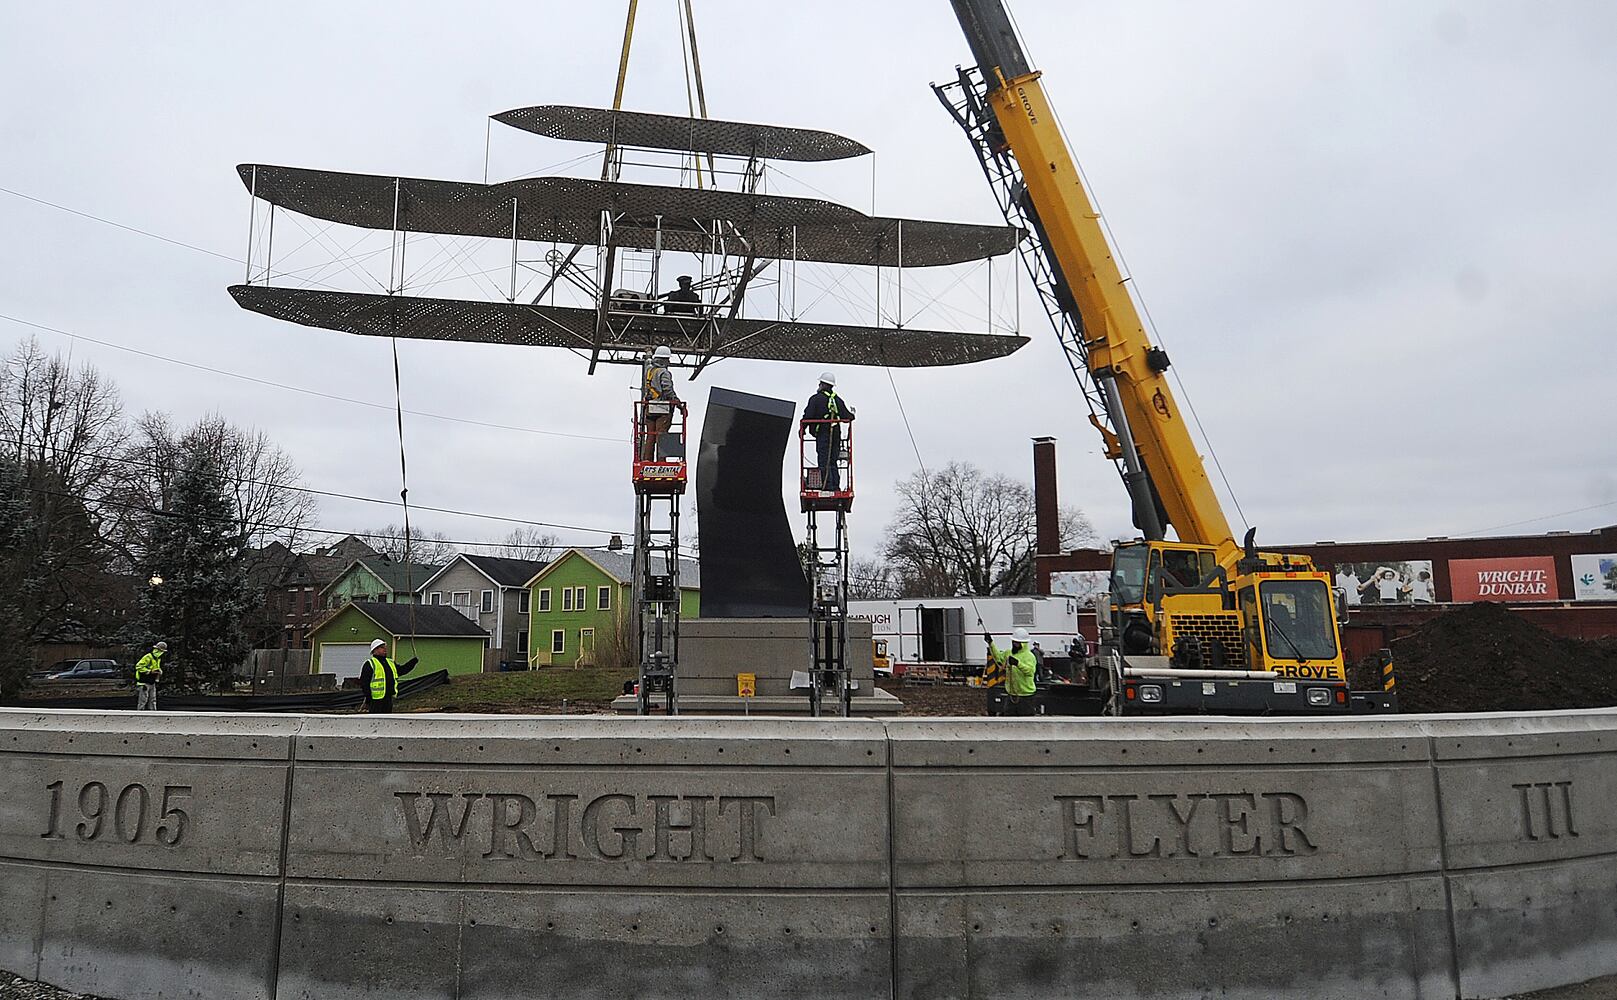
148,672
684,300
659,397
826,405
379,678
1020,670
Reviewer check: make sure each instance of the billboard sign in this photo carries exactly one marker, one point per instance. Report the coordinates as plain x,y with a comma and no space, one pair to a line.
1594,577
1386,582
1526,578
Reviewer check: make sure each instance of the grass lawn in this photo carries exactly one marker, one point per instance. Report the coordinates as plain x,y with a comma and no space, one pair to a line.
588,689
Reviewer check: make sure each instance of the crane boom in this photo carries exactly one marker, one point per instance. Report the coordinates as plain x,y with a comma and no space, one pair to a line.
1128,370
1200,623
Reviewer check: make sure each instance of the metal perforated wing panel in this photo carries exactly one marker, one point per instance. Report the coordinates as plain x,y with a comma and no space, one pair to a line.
690,135
420,318
569,209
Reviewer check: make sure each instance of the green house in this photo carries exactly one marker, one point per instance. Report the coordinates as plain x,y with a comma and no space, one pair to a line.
442,637
580,607
377,579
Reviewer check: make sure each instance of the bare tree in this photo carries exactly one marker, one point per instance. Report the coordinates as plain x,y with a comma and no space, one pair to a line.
960,531
525,542
430,548
61,429
872,580
265,487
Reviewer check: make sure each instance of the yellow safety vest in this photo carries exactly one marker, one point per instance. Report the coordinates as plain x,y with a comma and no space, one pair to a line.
381,670
652,392
1021,666
150,662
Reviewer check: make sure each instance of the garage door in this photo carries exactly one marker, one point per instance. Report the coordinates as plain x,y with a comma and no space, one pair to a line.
343,658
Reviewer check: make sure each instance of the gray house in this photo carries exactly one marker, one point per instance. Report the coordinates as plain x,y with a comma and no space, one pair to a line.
491,591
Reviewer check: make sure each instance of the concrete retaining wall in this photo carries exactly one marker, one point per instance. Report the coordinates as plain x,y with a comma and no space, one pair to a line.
205,855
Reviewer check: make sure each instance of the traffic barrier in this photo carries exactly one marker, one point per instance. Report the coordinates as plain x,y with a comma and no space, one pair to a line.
251,856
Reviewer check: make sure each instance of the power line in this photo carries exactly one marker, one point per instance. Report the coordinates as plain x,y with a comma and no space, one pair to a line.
297,388
1546,517
252,527
119,225
155,467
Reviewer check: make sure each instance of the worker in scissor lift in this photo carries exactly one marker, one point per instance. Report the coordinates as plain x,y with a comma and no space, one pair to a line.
682,301
825,405
659,398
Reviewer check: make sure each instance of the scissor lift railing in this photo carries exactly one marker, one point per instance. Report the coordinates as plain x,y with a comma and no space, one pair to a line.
660,475
827,487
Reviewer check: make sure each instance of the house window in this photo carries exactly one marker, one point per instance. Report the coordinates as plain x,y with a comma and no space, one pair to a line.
567,598
522,640
558,640
544,600
461,598
487,607
523,597
436,598
580,596
603,598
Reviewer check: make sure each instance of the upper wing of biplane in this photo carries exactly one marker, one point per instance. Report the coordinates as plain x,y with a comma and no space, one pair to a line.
671,132
643,216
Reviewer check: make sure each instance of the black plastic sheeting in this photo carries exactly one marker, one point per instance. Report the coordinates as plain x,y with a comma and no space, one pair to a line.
750,567
322,701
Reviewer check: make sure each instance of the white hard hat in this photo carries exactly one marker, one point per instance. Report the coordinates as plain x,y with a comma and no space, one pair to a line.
1020,635
163,646
662,352
377,644
829,378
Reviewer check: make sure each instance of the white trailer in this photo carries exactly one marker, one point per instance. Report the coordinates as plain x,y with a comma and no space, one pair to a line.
944,630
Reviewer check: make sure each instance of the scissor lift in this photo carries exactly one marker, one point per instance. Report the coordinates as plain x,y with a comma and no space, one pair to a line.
829,676
660,474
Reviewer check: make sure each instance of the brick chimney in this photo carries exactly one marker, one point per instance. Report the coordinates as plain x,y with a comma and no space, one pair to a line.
1046,509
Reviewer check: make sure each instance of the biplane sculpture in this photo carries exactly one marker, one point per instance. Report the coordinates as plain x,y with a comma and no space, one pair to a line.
739,238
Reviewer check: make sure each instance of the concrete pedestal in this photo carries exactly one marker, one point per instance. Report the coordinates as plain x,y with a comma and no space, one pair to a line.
713,651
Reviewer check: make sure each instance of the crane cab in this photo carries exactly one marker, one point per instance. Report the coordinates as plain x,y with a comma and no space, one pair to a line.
1188,634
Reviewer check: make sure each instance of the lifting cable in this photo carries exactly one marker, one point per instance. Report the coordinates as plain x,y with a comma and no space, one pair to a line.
404,496
925,475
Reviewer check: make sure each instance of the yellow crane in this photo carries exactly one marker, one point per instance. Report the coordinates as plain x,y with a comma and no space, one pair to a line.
1201,622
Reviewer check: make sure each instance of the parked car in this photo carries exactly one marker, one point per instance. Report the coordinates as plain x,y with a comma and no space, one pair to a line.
90,670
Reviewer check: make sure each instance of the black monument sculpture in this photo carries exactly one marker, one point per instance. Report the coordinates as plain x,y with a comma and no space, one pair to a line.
750,565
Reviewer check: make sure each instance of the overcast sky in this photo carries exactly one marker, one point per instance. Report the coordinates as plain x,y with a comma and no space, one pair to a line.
1377,238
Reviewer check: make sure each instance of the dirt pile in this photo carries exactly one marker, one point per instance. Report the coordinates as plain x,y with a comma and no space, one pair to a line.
1483,658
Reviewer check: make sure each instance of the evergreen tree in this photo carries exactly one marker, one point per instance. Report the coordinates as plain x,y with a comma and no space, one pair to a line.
18,583
195,548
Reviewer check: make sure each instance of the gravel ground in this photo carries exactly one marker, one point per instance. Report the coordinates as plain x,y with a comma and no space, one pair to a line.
16,988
